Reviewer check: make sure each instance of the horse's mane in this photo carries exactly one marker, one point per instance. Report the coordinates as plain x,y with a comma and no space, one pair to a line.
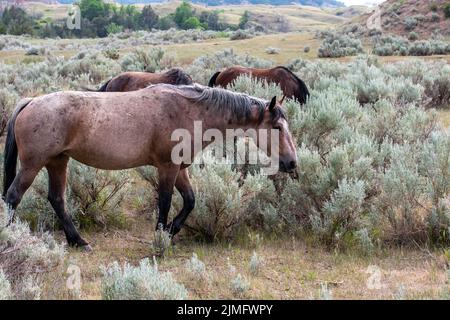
179,77
225,103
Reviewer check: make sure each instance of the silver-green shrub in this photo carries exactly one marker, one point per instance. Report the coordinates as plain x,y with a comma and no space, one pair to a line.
196,268
366,172
25,259
8,101
220,214
338,45
149,61
395,46
256,88
255,264
5,287
239,286
144,282
95,196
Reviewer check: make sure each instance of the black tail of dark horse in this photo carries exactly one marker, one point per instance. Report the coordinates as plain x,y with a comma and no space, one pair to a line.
11,152
304,92
102,88
212,81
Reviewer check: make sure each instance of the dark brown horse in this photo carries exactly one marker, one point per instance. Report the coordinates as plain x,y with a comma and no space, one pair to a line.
117,131
291,85
131,81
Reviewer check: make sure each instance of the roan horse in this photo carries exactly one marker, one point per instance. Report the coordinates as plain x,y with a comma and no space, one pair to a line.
131,81
291,85
117,131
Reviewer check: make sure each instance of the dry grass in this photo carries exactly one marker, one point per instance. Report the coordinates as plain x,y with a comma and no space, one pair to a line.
54,11
444,117
291,46
292,269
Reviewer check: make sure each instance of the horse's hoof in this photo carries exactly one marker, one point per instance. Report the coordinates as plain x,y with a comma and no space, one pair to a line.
86,248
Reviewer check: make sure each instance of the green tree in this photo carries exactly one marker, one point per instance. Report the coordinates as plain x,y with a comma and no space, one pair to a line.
210,20
244,19
16,21
148,18
182,13
166,22
91,9
192,23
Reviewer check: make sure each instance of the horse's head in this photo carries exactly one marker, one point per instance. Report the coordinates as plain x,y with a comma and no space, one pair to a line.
179,77
283,147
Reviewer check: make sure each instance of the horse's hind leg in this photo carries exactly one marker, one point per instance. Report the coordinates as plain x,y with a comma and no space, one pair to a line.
57,174
20,185
183,185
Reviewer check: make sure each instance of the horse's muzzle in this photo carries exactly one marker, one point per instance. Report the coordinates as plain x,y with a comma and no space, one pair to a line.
288,166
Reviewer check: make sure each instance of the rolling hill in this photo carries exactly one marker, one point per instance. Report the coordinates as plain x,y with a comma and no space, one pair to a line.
282,18
315,3
403,17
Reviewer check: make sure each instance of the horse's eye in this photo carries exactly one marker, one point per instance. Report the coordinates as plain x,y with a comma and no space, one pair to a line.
277,127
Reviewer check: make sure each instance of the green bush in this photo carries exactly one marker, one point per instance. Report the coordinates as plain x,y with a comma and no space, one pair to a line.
240,35
447,10
411,23
435,17
413,36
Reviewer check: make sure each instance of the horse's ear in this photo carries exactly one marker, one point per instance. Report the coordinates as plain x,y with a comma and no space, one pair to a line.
282,100
272,104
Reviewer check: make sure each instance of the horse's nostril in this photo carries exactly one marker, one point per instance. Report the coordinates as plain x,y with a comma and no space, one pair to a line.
293,164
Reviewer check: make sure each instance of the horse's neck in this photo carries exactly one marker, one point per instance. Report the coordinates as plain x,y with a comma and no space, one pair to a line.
222,123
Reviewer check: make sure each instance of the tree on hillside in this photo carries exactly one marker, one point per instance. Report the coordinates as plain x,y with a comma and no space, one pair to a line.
148,19
91,9
127,17
192,23
244,19
182,13
16,21
210,20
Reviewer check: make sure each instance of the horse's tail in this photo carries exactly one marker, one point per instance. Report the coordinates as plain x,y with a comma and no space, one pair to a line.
212,81
102,88
11,152
304,92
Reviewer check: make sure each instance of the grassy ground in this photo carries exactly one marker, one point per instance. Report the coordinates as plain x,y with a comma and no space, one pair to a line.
292,269
291,46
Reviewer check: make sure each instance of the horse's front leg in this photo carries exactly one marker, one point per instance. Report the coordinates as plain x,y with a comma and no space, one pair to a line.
183,185
167,176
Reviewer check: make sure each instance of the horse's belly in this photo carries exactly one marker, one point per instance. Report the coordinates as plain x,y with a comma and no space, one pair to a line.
109,160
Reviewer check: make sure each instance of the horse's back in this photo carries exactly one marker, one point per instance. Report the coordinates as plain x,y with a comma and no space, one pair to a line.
91,127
